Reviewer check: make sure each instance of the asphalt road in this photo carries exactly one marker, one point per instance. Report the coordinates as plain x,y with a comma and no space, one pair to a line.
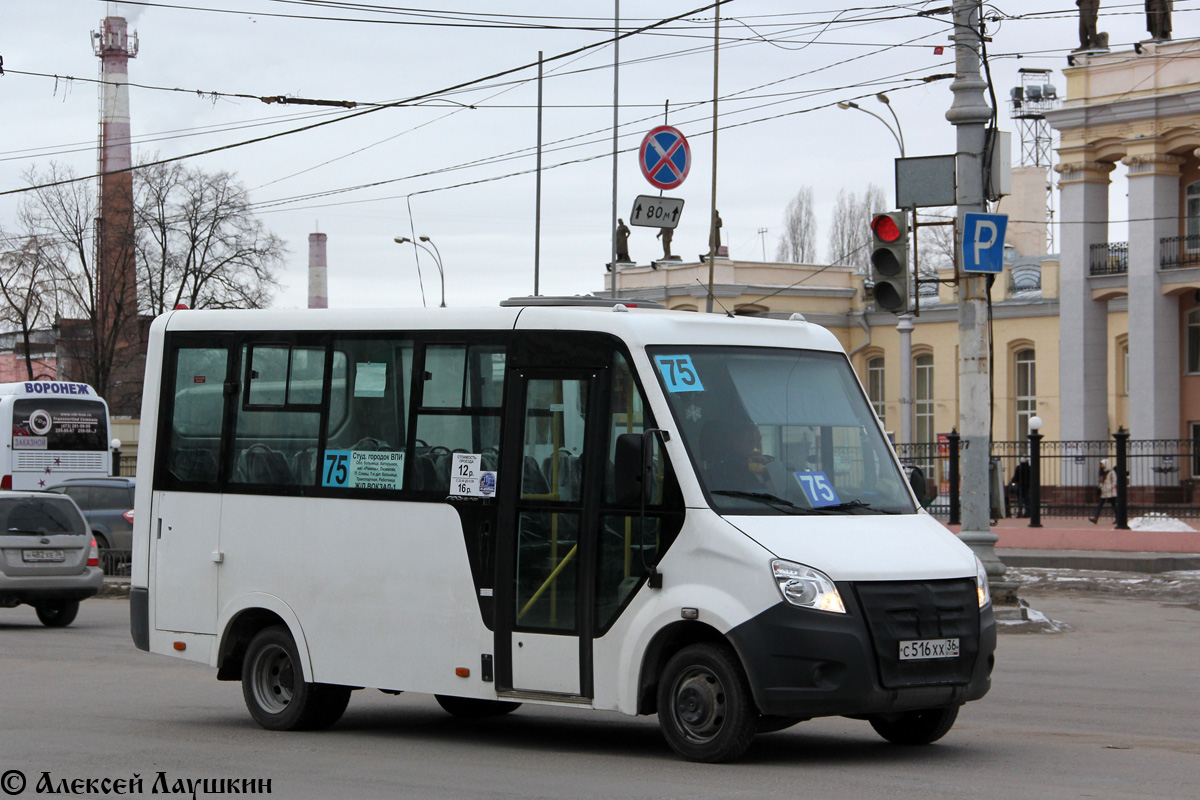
1106,710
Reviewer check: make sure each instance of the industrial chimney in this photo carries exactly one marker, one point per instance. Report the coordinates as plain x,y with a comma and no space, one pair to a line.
318,278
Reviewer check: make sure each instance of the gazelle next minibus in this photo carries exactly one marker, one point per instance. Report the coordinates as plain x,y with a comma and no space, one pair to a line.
585,505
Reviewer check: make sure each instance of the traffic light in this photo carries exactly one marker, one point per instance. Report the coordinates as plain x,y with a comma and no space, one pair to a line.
889,260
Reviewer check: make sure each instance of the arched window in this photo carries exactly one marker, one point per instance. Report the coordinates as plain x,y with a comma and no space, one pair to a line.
1025,362
923,397
1193,341
875,387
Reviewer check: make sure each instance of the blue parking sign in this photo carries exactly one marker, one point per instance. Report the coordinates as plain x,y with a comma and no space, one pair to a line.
983,242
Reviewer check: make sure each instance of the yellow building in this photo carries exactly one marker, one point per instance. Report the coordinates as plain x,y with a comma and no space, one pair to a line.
1101,337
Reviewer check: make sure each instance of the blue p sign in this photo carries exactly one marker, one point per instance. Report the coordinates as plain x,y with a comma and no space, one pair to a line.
983,242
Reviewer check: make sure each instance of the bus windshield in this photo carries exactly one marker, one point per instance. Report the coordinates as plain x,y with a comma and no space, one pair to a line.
779,431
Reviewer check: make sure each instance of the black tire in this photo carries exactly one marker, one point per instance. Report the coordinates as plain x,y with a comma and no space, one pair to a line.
473,708
705,709
915,727
274,688
769,723
58,614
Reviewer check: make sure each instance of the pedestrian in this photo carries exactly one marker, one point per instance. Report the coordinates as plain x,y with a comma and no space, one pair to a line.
1020,487
1108,490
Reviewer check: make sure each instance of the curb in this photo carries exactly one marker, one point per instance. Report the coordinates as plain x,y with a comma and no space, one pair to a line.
115,587
1106,561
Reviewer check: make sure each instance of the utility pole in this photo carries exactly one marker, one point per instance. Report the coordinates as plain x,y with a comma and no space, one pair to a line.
970,113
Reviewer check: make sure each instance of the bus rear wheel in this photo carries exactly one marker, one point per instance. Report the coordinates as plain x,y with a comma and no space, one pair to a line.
705,708
915,727
275,691
474,708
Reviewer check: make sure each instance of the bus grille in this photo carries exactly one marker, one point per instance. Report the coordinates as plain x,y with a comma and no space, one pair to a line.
908,610
61,461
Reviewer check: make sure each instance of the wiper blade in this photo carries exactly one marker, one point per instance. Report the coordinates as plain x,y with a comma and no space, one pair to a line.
852,505
756,495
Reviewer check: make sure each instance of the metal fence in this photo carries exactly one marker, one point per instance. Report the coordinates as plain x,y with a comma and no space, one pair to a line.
1162,476
115,562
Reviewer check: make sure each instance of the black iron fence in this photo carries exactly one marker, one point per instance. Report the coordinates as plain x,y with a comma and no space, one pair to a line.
1109,258
115,562
1179,251
1157,476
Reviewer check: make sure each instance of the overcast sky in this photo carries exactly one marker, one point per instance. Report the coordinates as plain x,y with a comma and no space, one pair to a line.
783,66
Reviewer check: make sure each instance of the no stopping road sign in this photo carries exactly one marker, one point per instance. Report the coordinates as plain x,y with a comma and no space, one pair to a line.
665,157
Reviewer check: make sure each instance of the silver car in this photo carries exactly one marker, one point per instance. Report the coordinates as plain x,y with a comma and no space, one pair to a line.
48,558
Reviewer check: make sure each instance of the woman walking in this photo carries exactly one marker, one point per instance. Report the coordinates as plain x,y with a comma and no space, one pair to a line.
1108,490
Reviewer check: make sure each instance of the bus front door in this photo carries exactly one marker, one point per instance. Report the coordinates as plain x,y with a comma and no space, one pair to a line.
545,569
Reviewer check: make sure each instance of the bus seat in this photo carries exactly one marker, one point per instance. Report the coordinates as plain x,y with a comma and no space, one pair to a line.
194,464
304,466
260,464
533,481
570,477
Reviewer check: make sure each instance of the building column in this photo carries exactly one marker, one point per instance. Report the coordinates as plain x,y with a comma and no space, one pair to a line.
1083,322
1153,317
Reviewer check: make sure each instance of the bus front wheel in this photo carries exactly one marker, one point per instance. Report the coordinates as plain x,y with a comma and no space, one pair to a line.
705,708
275,691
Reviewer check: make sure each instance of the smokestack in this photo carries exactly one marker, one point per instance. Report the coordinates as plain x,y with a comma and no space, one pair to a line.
318,277
116,276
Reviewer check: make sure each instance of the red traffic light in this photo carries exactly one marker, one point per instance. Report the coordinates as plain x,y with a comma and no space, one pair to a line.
885,228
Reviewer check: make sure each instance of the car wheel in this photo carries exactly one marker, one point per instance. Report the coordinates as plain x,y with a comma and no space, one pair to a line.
275,691
915,727
101,541
705,708
58,614
473,708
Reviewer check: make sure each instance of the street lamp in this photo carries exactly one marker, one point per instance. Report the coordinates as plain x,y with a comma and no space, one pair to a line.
434,254
896,133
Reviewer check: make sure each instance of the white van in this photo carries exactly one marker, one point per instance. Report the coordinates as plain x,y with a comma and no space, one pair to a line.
598,506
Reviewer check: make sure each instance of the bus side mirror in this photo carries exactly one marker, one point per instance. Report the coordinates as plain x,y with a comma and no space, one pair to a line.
916,479
629,469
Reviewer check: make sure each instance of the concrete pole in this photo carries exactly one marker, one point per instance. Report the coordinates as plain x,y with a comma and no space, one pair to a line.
318,271
970,113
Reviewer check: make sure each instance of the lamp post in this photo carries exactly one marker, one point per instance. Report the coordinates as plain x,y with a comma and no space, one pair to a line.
434,254
896,133
904,324
1035,472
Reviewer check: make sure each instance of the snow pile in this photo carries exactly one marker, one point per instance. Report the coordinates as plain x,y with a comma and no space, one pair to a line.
1159,522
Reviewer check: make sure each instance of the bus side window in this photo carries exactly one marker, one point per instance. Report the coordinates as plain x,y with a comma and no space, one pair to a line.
198,404
277,413
373,384
461,399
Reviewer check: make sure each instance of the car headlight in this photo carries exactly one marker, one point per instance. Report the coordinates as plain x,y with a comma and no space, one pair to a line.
806,587
981,583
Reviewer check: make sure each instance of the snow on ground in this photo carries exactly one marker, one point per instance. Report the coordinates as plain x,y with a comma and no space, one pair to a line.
1159,522
1182,586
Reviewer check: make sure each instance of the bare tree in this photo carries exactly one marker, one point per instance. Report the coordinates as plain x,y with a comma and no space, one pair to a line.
850,231
935,250
27,289
95,329
798,243
199,244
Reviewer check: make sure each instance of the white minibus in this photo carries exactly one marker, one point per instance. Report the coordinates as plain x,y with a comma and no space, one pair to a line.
551,502
54,430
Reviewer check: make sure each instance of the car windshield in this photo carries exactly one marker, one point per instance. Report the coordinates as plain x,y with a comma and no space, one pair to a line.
43,516
779,431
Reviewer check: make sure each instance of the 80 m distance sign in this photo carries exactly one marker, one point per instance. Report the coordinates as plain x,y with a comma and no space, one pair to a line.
656,212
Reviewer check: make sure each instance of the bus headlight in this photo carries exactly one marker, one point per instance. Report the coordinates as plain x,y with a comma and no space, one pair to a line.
806,587
981,583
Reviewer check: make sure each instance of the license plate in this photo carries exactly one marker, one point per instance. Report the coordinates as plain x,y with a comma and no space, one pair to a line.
920,649
43,555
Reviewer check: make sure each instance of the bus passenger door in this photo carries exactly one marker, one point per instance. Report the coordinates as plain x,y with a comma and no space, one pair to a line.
546,554
186,513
